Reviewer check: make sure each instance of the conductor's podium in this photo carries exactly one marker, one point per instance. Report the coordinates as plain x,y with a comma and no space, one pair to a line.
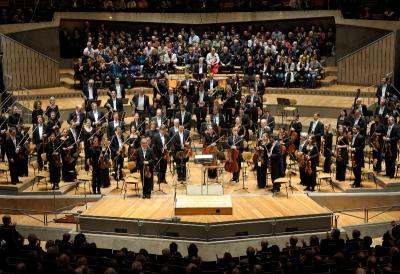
203,205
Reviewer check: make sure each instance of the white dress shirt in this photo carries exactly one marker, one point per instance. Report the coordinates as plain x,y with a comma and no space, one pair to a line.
140,105
118,90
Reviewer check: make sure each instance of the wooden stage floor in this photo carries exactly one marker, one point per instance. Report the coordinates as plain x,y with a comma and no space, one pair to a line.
245,208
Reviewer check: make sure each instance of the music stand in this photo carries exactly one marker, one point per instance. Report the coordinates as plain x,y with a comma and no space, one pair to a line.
282,102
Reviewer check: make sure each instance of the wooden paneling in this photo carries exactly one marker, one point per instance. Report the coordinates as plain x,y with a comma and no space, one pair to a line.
369,64
26,68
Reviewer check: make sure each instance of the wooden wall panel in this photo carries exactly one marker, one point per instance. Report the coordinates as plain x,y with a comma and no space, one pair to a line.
369,64
26,67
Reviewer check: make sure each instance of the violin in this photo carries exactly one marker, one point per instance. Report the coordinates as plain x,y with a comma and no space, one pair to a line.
258,156
103,161
293,137
166,155
147,172
56,159
308,165
376,142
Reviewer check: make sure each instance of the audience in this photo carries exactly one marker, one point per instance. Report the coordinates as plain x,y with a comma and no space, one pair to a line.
330,255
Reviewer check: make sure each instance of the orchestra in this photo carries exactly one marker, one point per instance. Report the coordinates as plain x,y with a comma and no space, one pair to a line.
224,123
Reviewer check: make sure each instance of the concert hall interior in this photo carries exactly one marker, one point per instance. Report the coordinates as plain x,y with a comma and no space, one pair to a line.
259,136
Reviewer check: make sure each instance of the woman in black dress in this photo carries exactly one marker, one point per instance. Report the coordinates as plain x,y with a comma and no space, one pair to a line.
37,111
312,159
87,134
341,153
133,141
52,107
68,151
328,140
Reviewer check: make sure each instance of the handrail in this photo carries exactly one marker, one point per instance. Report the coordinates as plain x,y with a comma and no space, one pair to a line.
23,45
363,208
365,46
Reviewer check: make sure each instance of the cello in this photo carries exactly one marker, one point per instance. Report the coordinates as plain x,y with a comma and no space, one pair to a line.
292,141
231,156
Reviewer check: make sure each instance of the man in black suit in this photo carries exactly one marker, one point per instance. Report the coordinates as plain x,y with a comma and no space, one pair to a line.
158,88
95,115
187,86
39,134
361,107
172,99
138,123
160,141
118,88
200,69
116,146
145,159
236,142
226,61
210,84
114,103
258,85
381,110
206,125
15,119
174,129
360,121
141,102
90,93
391,136
384,89
159,119
201,100
181,141
185,118
77,117
253,102
12,150
297,127
316,128
3,135
112,125
275,154
357,159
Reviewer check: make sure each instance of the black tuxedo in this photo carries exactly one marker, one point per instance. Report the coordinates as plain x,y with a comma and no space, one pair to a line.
111,128
164,120
13,158
358,145
379,91
141,158
187,119
238,142
384,112
391,154
178,147
158,151
196,71
175,101
73,116
318,132
259,87
187,87
118,104
207,84
146,104
100,114
114,145
86,92
122,88
172,132
362,124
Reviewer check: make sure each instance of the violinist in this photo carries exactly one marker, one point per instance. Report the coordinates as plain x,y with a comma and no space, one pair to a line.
52,107
376,132
217,118
137,123
24,151
117,152
39,138
172,99
112,125
284,141
201,100
185,118
68,152
141,102
245,118
341,153
161,152
77,117
210,146
54,124
270,119
301,157
262,161
12,151
15,119
357,155
390,138
264,128
253,102
316,128
3,135
174,129
343,120
236,85
95,115
153,130
145,163
241,129
87,135
187,85
258,85
312,158
114,103
95,156
53,156
159,119
235,142
37,111
182,144
275,157
327,148
296,126
228,106
360,121
382,109
206,125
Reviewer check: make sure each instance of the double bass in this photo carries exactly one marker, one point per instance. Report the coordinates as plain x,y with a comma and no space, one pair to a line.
292,141
231,157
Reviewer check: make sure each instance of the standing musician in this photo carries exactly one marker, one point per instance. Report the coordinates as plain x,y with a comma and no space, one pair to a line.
172,100
182,144
95,115
311,153
217,118
384,89
12,151
316,128
188,105
153,130
117,152
341,154
187,86
161,151
158,88
77,117
145,164
39,138
99,158
68,149
296,126
133,142
174,129
210,84
235,141
283,138
270,119
228,107
236,86
381,110
360,121
361,107
15,119
114,103
118,88
253,102
54,123
327,148
245,118
262,161
112,125
185,118
211,140
87,135
53,156
357,155
376,132
141,103
138,123
37,111
90,94
239,125
390,139
22,132
159,119
3,135
344,120
301,157
258,85
275,157
201,100
52,107
200,69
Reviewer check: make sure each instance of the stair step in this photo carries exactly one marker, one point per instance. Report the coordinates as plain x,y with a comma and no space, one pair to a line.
328,81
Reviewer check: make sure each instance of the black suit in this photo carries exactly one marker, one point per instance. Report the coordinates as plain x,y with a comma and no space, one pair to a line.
358,144
379,91
362,124
13,158
118,104
172,100
147,182
164,121
253,107
207,84
318,132
86,92
90,115
188,87
391,154
196,71
122,89
73,116
238,142
146,102
139,125
187,119
14,120
118,160
270,121
158,151
276,163
179,149
161,89
39,143
297,126
259,87
384,112
111,128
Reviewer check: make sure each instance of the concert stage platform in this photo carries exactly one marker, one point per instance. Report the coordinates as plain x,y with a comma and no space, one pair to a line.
252,216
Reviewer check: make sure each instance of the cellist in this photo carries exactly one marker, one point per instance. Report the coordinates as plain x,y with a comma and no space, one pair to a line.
54,159
262,161
236,142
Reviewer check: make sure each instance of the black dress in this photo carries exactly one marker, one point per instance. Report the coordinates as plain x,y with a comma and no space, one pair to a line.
342,158
69,160
53,157
311,179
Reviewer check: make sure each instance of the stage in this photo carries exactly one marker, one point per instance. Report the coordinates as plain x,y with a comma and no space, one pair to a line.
252,216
